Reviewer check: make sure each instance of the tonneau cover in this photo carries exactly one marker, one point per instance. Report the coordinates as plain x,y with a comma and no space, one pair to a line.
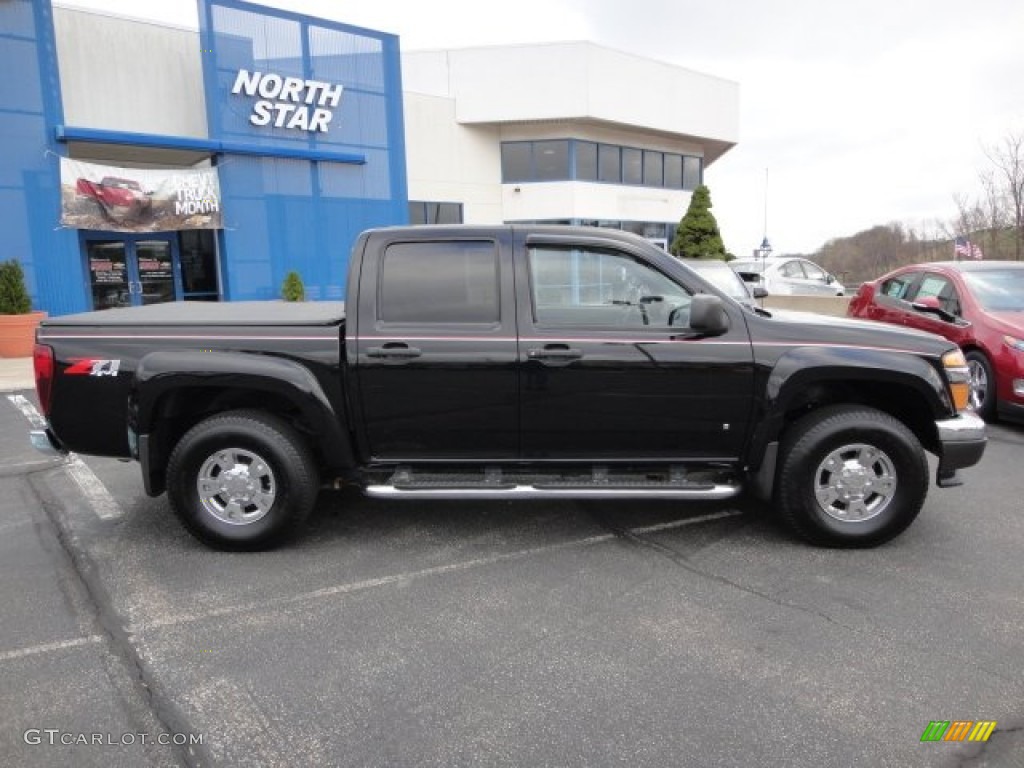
207,313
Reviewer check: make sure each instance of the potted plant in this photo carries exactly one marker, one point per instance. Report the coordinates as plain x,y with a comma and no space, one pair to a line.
18,322
293,289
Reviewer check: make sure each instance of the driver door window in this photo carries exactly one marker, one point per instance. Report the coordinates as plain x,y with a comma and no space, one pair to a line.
584,287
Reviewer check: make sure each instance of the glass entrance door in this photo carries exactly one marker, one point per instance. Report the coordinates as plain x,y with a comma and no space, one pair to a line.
126,270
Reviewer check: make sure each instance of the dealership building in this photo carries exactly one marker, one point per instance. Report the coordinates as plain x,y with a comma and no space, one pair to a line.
146,163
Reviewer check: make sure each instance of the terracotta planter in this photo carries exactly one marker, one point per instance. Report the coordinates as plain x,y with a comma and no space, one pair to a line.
18,334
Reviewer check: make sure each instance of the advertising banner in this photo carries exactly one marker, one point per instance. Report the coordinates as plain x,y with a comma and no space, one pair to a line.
138,199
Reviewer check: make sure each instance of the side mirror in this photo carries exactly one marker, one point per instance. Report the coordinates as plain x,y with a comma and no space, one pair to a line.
708,315
931,305
758,291
829,279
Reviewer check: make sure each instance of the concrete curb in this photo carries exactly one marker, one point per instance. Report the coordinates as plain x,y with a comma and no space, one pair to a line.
16,373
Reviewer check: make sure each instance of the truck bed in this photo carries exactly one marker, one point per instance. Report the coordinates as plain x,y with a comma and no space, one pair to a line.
207,313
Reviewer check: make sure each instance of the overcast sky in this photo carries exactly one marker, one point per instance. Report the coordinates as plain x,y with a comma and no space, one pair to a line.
858,113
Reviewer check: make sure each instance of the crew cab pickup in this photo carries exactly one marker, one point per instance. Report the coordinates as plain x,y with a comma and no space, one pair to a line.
510,362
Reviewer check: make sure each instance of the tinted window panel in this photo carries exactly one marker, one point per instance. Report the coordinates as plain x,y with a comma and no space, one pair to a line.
691,172
515,161
608,168
632,166
586,161
653,173
551,160
453,282
674,171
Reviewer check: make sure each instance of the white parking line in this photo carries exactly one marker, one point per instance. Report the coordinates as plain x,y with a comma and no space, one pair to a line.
49,647
95,492
408,576
23,404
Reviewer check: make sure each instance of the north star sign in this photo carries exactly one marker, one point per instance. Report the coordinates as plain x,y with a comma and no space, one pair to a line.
289,102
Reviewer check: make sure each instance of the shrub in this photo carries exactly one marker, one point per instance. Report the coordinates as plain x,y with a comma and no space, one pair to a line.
292,289
14,298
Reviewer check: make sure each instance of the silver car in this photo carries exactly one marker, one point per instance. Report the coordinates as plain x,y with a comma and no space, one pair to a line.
721,275
786,276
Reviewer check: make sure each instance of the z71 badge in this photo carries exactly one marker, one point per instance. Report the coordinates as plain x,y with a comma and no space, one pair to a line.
88,366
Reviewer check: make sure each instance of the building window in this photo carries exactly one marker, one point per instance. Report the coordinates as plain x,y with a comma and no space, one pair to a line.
691,172
608,168
654,174
632,166
199,279
516,163
674,171
423,212
551,160
570,159
586,161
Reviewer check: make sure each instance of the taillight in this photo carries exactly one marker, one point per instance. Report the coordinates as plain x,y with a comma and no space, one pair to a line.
42,361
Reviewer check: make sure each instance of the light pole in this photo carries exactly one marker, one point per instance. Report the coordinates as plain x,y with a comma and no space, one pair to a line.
765,250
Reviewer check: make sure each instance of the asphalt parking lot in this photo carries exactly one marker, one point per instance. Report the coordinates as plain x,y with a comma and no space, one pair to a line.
504,634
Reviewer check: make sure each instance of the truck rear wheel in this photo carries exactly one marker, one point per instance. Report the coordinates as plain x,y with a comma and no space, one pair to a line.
243,480
851,476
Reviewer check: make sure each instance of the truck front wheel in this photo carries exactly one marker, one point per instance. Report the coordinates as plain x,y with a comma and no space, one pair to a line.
243,480
851,476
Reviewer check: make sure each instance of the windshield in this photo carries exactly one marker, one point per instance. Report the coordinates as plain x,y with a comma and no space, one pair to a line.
998,290
749,271
727,281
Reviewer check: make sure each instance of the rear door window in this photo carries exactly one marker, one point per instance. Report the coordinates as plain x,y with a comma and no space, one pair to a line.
439,282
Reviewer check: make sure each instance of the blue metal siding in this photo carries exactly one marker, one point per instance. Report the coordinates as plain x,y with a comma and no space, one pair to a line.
30,105
302,213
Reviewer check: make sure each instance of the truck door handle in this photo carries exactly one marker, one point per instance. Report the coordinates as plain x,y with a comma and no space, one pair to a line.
554,352
394,349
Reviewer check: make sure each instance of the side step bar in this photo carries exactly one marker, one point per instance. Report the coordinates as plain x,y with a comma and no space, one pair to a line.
705,492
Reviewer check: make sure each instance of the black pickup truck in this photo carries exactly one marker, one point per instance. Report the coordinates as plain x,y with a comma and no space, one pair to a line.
510,362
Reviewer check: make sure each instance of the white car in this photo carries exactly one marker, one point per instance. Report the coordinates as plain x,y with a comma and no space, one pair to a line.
786,276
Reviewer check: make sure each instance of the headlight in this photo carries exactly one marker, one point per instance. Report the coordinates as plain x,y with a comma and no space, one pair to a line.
1014,343
959,377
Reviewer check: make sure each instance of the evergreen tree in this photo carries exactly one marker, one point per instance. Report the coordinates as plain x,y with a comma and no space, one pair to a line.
14,298
293,289
697,236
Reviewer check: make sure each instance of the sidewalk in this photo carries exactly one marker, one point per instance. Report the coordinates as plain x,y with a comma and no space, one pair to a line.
16,373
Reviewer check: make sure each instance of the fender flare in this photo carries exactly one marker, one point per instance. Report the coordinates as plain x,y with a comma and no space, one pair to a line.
161,372
802,367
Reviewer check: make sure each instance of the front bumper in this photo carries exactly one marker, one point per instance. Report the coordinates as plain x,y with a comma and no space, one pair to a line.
962,443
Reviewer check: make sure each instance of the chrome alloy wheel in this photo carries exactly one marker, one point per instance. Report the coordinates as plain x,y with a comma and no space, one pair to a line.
236,486
978,380
855,483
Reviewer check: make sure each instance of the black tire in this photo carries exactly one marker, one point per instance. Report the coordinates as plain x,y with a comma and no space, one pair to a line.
850,476
270,492
983,385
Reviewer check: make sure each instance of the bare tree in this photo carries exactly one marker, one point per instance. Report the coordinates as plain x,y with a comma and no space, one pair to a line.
970,217
993,202
1008,159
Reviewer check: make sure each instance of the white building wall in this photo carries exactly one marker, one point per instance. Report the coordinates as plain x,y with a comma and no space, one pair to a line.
586,200
128,75
461,104
578,81
448,162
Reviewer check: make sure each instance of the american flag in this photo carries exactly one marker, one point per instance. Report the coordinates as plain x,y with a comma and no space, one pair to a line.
965,249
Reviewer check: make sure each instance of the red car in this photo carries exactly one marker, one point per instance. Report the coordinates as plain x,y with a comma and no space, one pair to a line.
976,304
121,199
